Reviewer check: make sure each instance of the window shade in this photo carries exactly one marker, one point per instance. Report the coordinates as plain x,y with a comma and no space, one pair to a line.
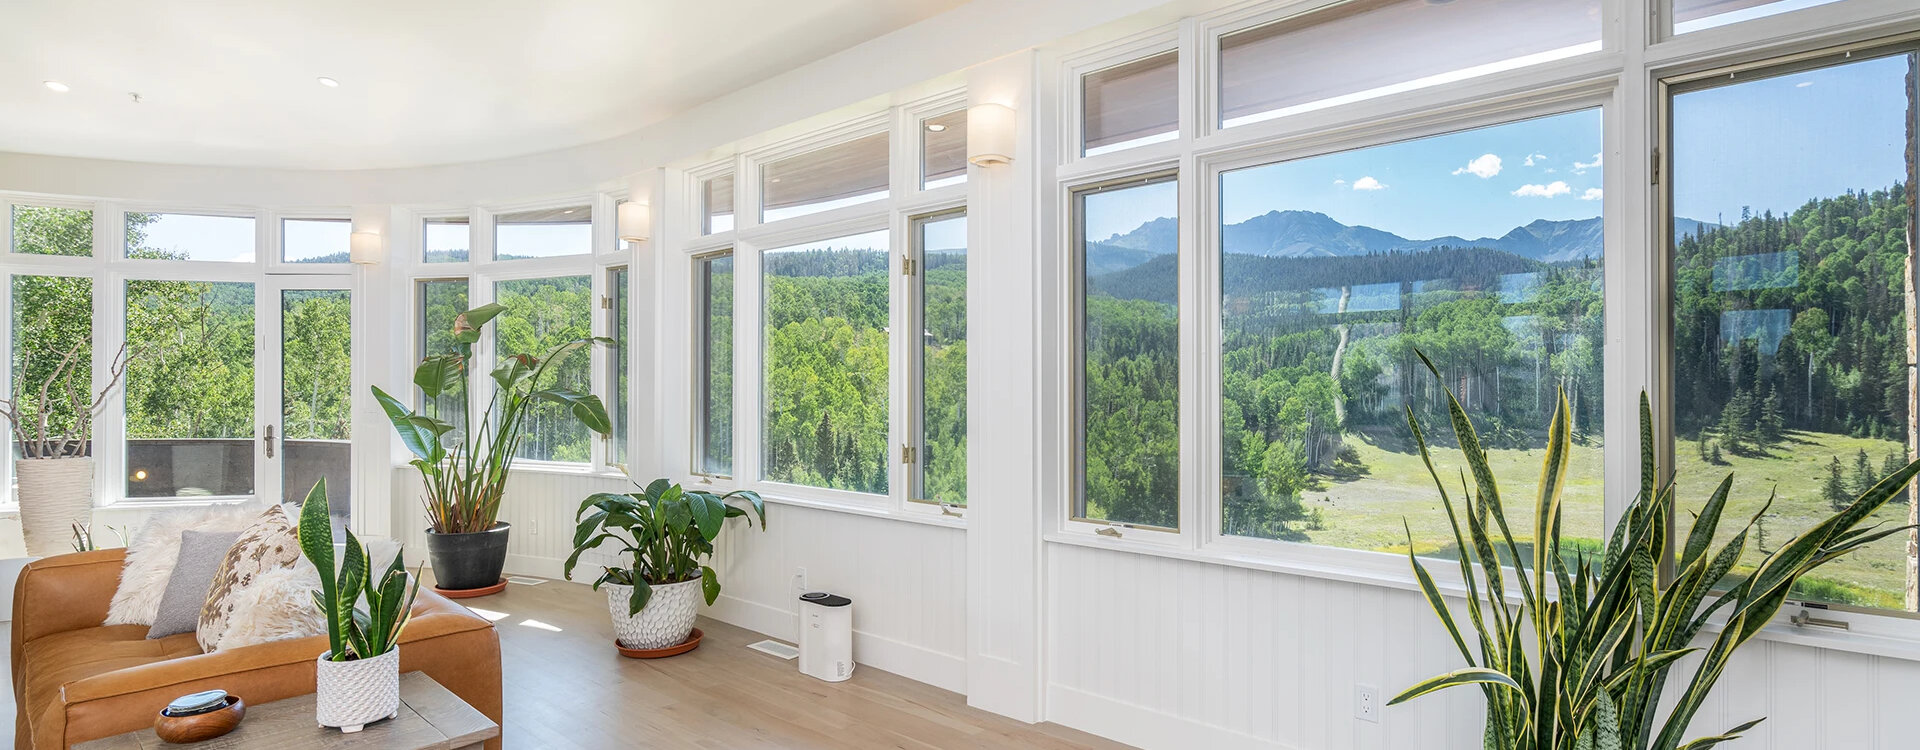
1129,102
944,151
825,178
1694,15
1365,48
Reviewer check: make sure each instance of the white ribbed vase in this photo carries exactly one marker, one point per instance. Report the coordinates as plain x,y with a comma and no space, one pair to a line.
55,494
352,694
665,621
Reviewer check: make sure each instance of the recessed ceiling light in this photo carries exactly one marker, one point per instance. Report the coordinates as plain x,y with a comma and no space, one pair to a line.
568,211
57,86
328,82
934,127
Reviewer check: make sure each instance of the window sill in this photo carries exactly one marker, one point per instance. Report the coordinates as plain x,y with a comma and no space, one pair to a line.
1779,631
870,511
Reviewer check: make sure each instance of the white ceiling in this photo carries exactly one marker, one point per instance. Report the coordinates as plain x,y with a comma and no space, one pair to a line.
421,81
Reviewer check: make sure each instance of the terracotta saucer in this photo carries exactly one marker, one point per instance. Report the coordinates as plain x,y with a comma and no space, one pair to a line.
692,642
471,593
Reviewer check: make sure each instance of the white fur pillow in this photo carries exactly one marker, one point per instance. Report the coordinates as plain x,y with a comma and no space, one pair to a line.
155,549
278,604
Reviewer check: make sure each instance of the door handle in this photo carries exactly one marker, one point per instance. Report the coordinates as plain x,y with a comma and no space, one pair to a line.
268,440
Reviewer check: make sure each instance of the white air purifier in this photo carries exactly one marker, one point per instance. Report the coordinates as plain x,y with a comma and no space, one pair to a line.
826,636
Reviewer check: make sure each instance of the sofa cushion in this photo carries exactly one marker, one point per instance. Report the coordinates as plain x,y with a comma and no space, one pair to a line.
271,542
155,548
55,660
200,555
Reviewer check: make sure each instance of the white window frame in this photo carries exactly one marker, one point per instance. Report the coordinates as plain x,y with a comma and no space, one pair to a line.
276,261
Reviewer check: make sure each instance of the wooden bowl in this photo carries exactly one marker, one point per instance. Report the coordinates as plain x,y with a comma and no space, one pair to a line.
692,642
200,727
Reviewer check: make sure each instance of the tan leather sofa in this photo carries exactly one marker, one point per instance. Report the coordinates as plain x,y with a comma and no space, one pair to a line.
76,680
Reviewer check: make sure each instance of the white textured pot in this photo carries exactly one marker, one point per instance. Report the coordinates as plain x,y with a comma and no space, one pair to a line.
353,694
665,621
55,494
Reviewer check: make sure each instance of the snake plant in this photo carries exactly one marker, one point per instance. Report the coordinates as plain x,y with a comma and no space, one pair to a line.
353,632
1578,657
668,530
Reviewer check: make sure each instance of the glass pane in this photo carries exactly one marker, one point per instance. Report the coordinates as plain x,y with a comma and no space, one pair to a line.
547,233
52,349
542,314
942,462
316,394
1132,104
1280,68
189,389
713,441
943,150
315,241
843,174
441,302
1792,222
826,321
622,339
716,204
190,237
44,230
1338,269
1130,339
1695,15
447,240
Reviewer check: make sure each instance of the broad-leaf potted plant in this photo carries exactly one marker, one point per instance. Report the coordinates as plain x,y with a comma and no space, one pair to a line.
1605,634
358,678
51,414
669,533
466,475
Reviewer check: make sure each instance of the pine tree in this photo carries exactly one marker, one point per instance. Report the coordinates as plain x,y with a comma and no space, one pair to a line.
1701,445
1771,424
1863,478
1836,489
1717,458
1736,421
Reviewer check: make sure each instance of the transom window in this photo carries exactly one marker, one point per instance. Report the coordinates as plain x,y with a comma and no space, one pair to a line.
543,233
836,176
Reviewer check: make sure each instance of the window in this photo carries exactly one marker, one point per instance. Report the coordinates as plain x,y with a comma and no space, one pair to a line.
545,233
316,393
716,204
823,179
943,150
542,314
622,336
315,240
48,230
157,236
1791,218
1128,248
190,388
52,349
940,246
825,322
1697,15
441,302
713,365
1280,68
1132,104
447,240
1337,269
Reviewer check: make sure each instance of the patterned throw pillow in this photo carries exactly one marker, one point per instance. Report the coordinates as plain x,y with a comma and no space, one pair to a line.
271,542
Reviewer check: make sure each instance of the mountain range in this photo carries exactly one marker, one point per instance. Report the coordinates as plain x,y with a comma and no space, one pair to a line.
1309,234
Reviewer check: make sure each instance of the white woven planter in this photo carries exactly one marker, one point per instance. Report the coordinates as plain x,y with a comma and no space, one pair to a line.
55,494
665,621
353,694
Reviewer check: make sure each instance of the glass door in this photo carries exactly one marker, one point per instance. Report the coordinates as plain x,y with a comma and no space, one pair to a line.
307,389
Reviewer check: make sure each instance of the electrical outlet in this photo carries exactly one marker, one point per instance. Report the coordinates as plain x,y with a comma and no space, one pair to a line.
800,581
1366,703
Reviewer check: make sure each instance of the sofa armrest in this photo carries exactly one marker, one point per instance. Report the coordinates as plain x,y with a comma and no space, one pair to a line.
62,593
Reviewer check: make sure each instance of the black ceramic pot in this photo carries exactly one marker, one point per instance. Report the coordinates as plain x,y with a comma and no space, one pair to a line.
468,561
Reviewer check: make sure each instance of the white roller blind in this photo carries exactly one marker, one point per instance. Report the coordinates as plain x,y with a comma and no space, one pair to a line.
824,178
1130,102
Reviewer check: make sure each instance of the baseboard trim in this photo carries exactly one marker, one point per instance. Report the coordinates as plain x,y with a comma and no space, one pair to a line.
1143,727
918,663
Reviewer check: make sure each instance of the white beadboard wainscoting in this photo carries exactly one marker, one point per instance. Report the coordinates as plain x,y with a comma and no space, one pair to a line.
1165,654
907,580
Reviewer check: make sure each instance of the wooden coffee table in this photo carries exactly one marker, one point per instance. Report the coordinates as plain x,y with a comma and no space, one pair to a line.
431,718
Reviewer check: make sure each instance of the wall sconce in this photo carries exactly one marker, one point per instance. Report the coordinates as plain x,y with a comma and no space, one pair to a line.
636,221
366,248
990,131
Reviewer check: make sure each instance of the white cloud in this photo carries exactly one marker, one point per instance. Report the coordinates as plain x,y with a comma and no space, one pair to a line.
1581,167
1482,166
1548,190
1534,158
1803,84
1592,194
1368,183
1339,182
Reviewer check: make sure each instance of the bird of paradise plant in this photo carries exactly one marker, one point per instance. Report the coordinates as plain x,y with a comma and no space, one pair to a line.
1578,657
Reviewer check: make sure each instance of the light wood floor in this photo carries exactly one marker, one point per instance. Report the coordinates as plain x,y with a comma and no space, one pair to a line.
567,688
